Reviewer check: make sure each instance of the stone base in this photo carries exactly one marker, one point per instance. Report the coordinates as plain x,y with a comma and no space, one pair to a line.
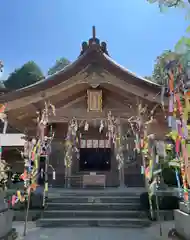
6,219
11,235
33,215
184,207
182,223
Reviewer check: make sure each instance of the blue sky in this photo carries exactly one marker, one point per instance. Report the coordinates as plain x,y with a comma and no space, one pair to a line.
45,30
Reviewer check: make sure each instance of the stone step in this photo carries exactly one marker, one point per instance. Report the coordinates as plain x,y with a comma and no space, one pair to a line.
94,206
92,214
93,222
89,192
91,198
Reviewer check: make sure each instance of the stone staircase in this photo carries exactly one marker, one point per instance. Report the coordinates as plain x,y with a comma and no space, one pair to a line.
93,208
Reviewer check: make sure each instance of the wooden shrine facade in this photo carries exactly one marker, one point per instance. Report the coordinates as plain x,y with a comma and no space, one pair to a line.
87,90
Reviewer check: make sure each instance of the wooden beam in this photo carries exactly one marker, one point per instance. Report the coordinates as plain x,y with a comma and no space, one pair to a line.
74,83
81,113
70,99
130,88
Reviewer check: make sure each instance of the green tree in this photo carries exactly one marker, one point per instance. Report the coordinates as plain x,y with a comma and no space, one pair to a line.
59,65
159,74
28,74
170,3
148,78
184,43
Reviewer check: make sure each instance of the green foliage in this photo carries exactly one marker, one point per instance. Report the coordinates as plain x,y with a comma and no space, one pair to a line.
159,74
59,65
148,78
3,174
169,3
184,43
28,74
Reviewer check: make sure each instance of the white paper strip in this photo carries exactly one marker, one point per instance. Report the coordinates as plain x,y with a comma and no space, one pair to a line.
107,143
82,143
101,143
95,143
89,143
54,175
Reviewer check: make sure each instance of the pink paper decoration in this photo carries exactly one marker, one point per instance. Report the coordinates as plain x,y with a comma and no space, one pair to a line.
177,145
13,201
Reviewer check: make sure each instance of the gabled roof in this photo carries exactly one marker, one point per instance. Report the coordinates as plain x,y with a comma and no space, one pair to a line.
93,53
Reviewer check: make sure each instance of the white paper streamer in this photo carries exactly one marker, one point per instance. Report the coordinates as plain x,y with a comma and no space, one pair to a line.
54,175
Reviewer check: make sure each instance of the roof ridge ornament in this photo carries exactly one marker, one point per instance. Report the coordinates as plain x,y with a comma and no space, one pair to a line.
94,41
1,66
94,33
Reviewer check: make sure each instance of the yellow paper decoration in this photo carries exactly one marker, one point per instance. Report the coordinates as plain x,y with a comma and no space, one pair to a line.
46,187
18,194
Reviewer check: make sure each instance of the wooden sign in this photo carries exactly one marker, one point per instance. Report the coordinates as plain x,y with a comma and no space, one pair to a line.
94,143
94,100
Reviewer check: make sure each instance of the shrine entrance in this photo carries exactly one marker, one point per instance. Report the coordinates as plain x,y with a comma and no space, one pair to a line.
95,155
95,159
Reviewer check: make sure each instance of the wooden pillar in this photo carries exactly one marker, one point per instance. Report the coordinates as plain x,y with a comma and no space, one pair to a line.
68,156
71,146
119,153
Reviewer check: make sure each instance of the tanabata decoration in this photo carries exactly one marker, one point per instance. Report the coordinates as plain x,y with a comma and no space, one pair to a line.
33,149
178,134
147,173
71,146
21,196
18,197
115,137
72,142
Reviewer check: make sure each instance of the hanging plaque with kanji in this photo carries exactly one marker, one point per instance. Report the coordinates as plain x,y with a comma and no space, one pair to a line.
94,100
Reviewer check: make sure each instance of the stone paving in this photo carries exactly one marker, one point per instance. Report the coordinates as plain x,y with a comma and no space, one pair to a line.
151,233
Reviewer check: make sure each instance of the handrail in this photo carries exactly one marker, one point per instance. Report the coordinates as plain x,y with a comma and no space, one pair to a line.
53,169
45,194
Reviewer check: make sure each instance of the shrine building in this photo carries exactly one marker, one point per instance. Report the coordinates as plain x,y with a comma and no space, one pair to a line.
87,89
